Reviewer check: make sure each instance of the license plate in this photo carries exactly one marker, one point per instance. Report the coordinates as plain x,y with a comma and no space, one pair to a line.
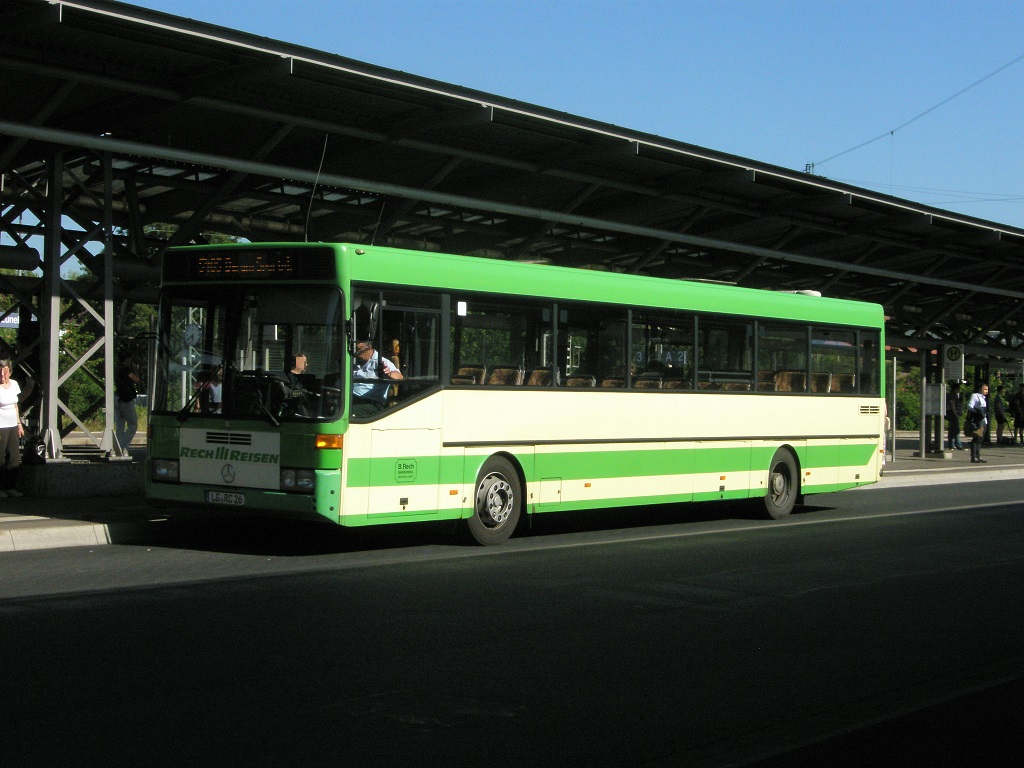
225,497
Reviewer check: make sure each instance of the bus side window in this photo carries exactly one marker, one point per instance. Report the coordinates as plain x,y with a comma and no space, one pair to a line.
725,352
781,356
592,345
833,360
870,378
491,335
663,351
410,338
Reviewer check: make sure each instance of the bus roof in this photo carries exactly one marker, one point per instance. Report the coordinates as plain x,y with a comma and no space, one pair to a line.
474,274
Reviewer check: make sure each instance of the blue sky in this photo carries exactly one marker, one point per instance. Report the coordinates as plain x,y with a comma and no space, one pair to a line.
787,82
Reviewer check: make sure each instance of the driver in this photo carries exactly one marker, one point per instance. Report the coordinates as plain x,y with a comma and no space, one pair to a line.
299,361
370,372
295,393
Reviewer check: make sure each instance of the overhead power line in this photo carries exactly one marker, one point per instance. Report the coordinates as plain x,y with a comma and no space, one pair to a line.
951,196
810,166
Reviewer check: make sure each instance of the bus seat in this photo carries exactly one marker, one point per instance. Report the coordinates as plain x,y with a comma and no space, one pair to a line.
674,384
766,381
646,381
613,383
843,382
505,376
539,377
820,382
580,381
791,381
474,374
735,386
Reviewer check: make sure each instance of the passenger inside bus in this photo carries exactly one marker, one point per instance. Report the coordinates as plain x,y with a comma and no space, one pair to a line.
211,392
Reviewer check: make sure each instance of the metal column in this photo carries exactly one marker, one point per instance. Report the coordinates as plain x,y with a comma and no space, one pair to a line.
49,311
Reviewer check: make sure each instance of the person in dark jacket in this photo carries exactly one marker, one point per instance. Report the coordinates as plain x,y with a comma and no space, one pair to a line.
1017,412
126,418
953,417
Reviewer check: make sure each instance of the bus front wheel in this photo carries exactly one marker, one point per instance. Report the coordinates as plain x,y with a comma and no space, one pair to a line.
497,502
783,485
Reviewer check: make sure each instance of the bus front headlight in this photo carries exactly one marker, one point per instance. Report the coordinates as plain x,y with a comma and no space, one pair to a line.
298,480
164,471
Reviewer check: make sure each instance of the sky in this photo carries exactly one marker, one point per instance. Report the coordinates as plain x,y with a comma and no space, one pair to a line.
920,99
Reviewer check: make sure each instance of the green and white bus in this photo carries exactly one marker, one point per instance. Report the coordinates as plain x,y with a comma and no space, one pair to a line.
524,389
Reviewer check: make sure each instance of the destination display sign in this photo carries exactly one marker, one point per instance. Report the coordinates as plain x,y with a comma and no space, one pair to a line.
215,264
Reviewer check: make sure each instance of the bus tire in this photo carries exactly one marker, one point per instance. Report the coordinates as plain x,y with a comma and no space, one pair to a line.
497,502
783,486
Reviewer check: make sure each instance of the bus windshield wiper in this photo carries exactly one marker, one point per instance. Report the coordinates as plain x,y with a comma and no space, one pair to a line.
253,387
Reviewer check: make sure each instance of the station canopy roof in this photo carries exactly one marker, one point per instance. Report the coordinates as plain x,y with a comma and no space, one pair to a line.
217,130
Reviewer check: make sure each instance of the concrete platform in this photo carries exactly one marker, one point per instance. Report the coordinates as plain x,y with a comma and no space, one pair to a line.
75,479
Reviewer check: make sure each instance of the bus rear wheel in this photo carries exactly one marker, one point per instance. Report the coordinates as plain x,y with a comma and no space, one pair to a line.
497,502
783,486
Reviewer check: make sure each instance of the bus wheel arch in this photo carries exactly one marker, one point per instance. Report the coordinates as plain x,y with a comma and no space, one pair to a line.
783,489
498,501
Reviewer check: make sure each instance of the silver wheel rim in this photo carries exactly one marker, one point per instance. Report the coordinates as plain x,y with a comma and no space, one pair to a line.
494,500
778,486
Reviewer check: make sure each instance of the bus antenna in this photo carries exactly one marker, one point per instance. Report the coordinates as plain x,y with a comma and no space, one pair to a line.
312,194
380,218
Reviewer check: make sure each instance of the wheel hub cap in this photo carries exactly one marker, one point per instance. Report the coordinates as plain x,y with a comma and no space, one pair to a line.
494,499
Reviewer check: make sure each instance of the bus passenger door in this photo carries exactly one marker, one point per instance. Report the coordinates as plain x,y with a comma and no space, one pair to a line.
404,467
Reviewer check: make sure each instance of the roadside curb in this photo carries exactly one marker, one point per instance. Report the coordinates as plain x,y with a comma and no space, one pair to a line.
53,534
18,534
896,478
27,531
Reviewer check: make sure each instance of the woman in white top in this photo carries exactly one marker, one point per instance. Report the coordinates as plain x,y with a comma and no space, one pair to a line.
977,417
11,432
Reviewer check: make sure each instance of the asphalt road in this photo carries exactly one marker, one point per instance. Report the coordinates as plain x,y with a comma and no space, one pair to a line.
595,641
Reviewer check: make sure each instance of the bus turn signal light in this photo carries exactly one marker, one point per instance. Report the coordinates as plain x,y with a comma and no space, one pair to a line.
330,441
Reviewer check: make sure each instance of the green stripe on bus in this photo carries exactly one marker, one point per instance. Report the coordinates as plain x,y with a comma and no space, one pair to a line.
584,465
581,505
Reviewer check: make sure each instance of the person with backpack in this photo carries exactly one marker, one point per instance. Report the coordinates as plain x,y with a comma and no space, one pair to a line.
976,421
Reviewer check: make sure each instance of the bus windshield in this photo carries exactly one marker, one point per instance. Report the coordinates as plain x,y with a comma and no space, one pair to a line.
268,352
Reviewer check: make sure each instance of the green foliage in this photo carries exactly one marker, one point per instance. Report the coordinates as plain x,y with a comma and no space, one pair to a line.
83,390
908,408
903,401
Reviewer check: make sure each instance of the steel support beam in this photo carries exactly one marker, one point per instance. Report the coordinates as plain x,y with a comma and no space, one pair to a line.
108,443
49,311
93,302
104,144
